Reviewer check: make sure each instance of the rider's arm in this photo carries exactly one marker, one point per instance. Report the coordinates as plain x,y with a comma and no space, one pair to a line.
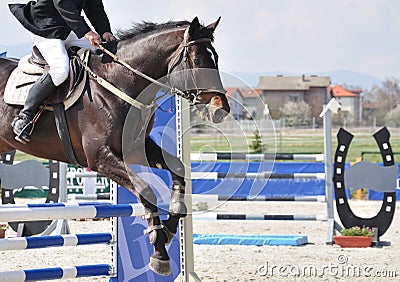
72,16
94,11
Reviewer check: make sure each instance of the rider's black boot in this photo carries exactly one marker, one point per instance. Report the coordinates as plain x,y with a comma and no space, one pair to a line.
22,124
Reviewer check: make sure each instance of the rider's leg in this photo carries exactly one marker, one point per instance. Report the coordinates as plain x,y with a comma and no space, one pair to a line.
22,124
53,51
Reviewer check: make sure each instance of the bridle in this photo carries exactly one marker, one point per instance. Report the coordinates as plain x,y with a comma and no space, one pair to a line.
182,54
188,74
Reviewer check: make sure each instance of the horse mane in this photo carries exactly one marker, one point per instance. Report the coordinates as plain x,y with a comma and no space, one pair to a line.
146,28
138,30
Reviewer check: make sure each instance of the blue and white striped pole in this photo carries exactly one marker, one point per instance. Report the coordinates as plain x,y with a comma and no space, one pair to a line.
56,273
33,212
22,243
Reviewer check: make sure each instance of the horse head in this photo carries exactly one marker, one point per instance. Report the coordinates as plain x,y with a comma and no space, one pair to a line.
193,69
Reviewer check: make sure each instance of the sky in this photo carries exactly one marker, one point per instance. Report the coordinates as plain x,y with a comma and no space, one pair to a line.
256,36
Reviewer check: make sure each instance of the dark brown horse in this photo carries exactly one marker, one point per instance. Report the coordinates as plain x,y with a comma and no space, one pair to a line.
105,140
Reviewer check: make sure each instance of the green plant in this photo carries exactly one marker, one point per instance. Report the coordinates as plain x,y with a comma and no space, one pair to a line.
3,226
296,114
256,144
357,231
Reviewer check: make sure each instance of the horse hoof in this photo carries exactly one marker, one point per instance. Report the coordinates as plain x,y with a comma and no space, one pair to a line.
161,267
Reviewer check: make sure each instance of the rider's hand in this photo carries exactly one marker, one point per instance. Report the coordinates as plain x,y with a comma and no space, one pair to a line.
108,36
93,38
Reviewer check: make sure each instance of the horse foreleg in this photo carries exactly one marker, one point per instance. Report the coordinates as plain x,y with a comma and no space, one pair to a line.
113,167
159,158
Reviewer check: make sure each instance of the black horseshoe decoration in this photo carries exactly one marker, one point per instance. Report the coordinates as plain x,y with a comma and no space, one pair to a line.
385,216
35,227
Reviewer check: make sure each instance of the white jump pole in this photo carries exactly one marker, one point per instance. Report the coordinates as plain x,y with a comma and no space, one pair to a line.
332,106
182,119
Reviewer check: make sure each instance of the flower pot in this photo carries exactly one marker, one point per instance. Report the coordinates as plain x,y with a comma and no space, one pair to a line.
353,241
2,233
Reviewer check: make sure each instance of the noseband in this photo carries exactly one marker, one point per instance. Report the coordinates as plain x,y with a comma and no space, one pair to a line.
182,57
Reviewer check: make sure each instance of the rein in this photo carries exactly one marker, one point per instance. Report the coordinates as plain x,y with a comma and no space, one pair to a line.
110,87
145,76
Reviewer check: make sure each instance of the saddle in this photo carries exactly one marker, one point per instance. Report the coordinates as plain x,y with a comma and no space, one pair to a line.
32,66
37,59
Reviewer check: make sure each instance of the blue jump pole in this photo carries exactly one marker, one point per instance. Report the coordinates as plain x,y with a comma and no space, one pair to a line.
68,211
56,273
22,243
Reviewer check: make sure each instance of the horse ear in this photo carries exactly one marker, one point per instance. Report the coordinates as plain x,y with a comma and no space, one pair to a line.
214,25
194,27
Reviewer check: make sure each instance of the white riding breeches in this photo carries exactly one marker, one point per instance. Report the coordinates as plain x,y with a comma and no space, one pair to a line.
54,51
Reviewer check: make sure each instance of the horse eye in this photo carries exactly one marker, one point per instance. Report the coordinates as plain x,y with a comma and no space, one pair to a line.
197,61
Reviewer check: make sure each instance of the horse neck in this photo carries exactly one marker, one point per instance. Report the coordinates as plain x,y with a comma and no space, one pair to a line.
151,55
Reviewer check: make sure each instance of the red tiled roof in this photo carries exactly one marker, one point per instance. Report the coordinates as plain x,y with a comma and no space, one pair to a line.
230,91
250,92
339,91
245,92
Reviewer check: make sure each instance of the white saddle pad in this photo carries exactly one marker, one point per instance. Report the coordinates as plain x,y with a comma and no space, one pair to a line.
18,86
19,83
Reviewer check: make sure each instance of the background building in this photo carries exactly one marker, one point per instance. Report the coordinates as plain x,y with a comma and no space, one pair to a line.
351,102
276,91
279,90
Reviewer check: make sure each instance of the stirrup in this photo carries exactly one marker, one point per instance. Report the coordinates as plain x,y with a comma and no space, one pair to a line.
21,140
23,135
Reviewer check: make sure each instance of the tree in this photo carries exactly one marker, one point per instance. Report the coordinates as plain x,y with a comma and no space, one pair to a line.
393,117
256,144
296,114
384,97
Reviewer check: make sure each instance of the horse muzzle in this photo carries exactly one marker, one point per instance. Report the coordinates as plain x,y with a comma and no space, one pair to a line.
212,104
217,115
